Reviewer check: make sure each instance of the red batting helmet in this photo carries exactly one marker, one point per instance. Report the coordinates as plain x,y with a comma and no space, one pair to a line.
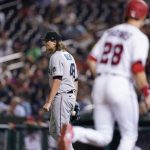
137,9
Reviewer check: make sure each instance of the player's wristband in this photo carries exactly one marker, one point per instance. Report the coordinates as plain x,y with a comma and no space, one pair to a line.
145,90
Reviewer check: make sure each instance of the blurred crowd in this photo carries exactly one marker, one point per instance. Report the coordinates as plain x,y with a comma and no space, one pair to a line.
81,23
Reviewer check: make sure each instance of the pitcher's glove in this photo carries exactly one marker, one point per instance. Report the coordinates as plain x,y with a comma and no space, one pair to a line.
75,115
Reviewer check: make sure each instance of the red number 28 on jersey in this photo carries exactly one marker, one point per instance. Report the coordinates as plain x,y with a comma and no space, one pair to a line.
117,52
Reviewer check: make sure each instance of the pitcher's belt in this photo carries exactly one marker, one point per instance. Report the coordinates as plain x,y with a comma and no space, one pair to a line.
69,92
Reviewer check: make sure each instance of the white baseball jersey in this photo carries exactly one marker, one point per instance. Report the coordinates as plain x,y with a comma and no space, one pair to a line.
63,64
119,48
113,93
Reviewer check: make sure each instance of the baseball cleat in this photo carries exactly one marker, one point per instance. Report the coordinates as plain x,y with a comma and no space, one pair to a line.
66,137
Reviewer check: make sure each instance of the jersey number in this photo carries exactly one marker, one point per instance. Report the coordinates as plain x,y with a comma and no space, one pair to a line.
117,52
72,70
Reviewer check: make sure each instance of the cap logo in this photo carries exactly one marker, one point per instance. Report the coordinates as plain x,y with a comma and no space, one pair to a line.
133,13
52,38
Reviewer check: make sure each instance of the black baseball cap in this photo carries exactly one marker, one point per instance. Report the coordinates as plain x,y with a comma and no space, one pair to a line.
52,36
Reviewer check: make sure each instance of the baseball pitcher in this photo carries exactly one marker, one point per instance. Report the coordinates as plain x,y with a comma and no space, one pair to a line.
63,82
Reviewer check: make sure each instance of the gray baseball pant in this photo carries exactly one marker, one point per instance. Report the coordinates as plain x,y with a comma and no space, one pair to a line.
62,106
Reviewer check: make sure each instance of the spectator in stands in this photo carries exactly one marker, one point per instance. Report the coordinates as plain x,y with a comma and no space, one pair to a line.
73,30
2,21
84,98
37,89
26,104
20,83
34,53
16,109
33,140
5,44
5,73
5,90
3,108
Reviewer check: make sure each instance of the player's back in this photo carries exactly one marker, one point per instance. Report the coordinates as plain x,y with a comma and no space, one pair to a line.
119,47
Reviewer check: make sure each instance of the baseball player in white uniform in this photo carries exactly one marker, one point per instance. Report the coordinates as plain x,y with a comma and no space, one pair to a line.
117,61
63,83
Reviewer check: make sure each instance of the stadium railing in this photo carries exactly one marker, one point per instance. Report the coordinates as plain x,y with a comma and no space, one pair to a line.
14,131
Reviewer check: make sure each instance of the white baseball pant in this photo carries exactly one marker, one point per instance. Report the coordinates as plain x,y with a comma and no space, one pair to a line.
114,100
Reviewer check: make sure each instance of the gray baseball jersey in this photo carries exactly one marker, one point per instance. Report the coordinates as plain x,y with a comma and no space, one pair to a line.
63,64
